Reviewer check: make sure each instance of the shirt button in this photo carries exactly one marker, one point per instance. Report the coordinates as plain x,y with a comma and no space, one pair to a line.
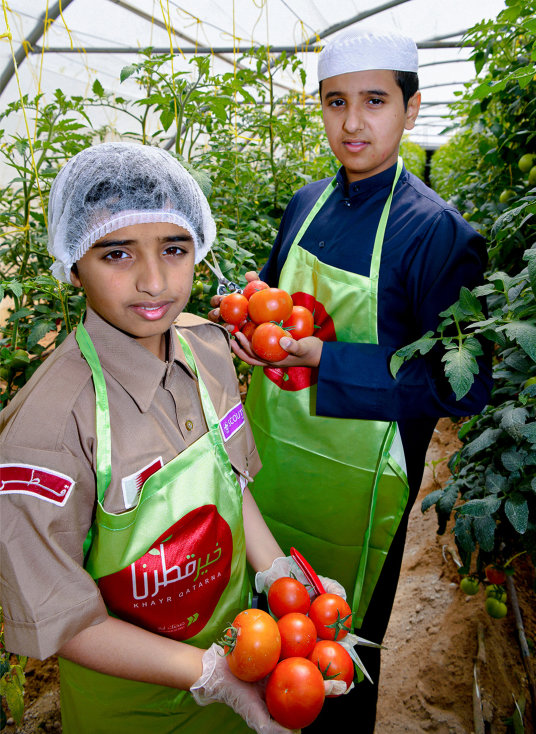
189,425
321,244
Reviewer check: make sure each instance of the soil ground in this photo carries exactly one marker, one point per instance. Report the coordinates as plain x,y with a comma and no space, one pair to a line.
432,644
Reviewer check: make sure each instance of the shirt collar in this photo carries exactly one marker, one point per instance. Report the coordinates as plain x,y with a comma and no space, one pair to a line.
367,186
118,352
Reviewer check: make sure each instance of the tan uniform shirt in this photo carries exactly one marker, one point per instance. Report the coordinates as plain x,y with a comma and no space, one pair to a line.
48,463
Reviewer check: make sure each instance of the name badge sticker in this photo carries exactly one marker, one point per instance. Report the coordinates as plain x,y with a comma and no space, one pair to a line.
232,421
35,480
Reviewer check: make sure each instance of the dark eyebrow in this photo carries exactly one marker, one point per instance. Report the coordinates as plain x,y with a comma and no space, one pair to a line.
364,93
123,243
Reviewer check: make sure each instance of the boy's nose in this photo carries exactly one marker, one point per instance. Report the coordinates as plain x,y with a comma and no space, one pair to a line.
353,120
150,279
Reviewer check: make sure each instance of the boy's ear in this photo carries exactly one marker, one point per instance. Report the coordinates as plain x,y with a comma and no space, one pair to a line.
414,104
75,280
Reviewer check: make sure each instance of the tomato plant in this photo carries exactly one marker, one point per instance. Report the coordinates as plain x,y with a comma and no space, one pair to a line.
234,308
270,304
298,635
253,286
295,692
252,644
497,592
333,661
287,594
265,341
332,616
300,323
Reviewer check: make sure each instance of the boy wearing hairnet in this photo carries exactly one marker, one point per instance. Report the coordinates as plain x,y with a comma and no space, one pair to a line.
377,255
125,514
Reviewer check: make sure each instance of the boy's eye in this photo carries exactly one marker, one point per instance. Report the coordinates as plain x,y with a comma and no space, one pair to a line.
174,250
375,101
116,255
336,102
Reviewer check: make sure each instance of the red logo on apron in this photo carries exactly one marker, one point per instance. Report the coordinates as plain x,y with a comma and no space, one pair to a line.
297,378
175,586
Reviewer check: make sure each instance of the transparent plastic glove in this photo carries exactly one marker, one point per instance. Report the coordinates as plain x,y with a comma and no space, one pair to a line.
287,567
336,687
217,683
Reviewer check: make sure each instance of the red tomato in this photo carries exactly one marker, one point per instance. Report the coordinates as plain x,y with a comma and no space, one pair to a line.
298,635
265,341
234,308
333,661
288,595
332,616
252,645
495,575
295,693
253,286
248,328
270,304
301,323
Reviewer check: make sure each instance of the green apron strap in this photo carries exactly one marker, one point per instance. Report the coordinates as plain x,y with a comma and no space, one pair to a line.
382,462
377,252
209,411
102,414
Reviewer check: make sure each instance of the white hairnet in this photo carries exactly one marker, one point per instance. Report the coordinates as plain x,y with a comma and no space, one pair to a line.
113,185
367,50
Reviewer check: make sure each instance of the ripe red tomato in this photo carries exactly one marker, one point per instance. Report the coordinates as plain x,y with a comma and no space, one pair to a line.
253,286
265,341
270,304
234,308
288,595
298,635
301,323
333,661
332,616
248,328
495,575
252,645
295,693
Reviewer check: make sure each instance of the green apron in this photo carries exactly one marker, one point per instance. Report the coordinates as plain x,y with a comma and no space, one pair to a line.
174,564
334,488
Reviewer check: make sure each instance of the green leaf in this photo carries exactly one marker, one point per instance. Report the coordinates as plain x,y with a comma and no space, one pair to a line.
467,426
513,460
98,89
470,304
15,700
516,509
487,438
480,507
513,419
446,502
524,333
37,332
422,345
496,483
461,366
529,432
484,532
127,71
463,532
431,499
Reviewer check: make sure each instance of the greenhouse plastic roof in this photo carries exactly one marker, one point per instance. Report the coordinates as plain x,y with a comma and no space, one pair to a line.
89,39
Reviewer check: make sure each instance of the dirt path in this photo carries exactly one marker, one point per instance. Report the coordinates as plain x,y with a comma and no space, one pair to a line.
427,675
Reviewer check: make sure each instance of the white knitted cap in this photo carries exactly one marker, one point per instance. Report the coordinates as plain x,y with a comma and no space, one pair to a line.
366,50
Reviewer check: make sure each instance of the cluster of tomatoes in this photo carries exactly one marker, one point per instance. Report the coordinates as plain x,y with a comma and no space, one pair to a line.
265,315
297,650
495,603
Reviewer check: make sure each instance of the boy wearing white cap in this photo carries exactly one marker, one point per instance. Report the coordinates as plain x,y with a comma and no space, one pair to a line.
378,256
124,462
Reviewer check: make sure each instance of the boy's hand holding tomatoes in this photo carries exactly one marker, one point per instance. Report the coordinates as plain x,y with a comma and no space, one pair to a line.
217,683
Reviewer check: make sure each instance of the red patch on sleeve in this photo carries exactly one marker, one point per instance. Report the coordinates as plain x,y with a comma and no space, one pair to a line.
36,480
